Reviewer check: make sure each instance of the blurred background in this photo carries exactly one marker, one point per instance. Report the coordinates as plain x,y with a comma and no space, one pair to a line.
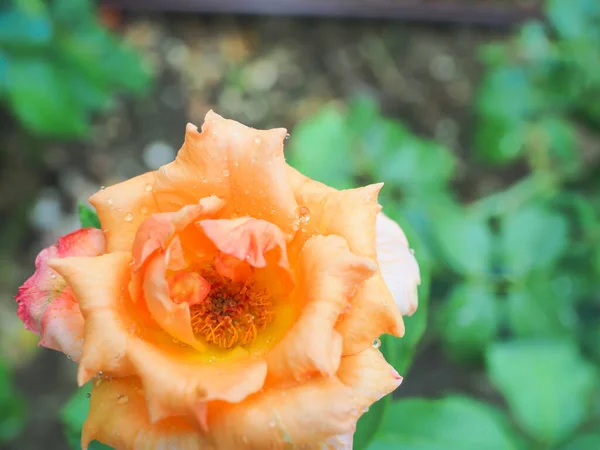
481,116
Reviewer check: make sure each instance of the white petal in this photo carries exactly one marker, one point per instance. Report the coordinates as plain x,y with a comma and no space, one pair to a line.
398,265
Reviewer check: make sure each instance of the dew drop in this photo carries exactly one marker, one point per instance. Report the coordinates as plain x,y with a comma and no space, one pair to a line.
412,251
204,180
148,187
69,356
257,140
53,275
144,209
376,343
99,373
365,409
226,173
102,188
287,136
122,399
88,395
304,213
109,201
128,217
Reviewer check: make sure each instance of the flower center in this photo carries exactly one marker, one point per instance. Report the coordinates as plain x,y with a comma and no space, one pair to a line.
232,313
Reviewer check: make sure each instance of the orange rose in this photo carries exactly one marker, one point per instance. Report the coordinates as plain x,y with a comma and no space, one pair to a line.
235,304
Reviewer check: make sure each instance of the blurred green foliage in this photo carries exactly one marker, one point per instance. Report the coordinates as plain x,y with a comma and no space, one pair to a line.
12,406
58,65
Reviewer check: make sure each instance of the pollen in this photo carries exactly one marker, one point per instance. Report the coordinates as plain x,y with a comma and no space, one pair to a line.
232,313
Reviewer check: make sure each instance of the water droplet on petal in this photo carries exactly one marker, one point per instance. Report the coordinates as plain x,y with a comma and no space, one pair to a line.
304,213
376,343
148,187
365,409
287,136
257,140
102,188
99,373
128,217
88,395
122,399
109,201
226,173
69,356
144,209
412,251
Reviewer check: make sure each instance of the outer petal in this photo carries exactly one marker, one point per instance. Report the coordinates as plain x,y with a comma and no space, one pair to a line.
369,375
118,418
45,285
242,165
398,265
62,326
329,274
352,214
123,207
99,284
372,313
281,419
179,384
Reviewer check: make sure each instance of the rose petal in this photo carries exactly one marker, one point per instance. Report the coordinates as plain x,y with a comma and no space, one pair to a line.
369,375
118,418
398,265
179,384
45,286
123,207
254,241
329,274
281,418
99,284
242,165
63,326
157,231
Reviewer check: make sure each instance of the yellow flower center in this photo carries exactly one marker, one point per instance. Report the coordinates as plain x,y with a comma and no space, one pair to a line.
232,313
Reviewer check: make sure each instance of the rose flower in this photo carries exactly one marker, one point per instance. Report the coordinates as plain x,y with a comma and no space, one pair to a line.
228,302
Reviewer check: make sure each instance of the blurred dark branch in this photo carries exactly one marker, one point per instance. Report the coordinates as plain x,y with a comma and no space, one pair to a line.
465,12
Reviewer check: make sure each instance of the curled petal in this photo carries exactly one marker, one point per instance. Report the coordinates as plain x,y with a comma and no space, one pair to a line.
179,384
256,242
45,285
397,264
156,232
99,284
242,165
329,275
174,318
283,418
63,326
123,207
118,418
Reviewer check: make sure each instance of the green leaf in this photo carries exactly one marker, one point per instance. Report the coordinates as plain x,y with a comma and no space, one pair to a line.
320,148
402,159
572,19
88,217
369,423
464,240
449,423
24,27
533,238
500,136
547,385
469,320
533,42
584,442
536,309
12,406
41,99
